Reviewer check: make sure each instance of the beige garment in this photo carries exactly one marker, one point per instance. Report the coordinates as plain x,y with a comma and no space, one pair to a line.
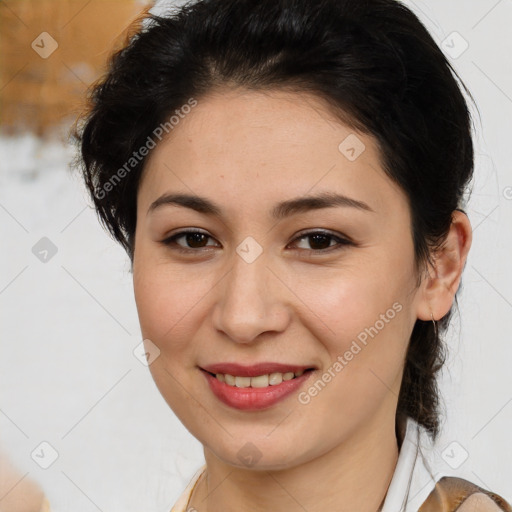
456,494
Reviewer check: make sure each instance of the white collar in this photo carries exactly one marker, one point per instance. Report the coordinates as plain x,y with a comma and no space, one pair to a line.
413,479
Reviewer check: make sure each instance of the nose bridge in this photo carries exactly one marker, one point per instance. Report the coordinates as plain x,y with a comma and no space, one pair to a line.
250,300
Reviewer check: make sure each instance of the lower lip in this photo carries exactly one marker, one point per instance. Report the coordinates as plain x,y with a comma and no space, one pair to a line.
254,399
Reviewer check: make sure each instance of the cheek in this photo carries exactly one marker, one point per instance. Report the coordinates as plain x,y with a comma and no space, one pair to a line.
167,303
364,326
345,304
363,315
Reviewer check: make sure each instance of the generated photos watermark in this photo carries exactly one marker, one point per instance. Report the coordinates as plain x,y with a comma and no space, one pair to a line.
355,348
137,156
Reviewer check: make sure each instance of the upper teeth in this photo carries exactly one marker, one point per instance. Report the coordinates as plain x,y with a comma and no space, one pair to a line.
261,381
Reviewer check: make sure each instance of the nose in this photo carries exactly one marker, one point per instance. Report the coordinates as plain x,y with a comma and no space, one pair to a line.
252,300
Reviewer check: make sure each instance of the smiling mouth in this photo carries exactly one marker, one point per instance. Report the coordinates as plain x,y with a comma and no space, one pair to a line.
258,381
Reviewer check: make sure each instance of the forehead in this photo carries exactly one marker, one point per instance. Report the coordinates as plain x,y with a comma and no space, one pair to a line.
254,147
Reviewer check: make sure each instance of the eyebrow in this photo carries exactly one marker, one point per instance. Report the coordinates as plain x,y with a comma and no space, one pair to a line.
281,210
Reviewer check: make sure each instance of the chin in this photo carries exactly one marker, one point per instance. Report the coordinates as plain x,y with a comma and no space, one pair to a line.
257,453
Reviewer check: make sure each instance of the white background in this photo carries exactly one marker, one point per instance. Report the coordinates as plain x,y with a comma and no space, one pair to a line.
68,327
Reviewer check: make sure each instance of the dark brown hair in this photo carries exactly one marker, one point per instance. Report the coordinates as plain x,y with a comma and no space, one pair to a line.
372,60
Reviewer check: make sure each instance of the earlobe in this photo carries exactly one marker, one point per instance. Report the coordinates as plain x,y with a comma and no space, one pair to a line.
444,275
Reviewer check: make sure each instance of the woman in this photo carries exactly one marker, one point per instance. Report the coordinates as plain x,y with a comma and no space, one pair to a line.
287,178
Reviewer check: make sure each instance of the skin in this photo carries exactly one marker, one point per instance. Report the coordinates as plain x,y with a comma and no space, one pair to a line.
246,151
17,492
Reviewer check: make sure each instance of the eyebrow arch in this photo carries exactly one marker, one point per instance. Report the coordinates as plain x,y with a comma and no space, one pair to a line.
280,211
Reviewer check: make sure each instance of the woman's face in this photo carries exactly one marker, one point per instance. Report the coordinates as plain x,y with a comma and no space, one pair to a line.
274,278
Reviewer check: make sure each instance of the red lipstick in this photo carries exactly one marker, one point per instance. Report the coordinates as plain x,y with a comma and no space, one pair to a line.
257,398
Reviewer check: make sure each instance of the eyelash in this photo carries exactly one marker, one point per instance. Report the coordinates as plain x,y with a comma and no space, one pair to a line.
341,241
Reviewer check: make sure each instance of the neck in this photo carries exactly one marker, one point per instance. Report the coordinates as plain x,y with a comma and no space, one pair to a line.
354,475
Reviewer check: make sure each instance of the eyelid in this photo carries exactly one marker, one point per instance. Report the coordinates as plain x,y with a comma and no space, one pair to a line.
320,231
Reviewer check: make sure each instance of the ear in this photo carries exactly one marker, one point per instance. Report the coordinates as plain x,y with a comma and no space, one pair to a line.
437,290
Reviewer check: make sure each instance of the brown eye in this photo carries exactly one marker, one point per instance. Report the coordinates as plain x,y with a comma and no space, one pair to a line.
190,240
195,240
321,241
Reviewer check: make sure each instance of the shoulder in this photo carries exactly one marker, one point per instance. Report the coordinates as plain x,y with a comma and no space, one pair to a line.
456,494
479,502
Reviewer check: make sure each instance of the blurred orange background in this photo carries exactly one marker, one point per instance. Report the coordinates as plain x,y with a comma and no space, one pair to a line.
51,51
